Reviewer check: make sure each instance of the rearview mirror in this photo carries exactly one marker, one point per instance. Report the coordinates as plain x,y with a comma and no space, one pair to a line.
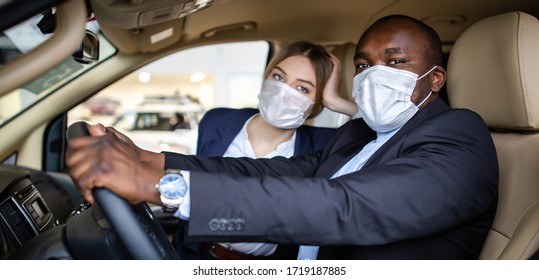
88,50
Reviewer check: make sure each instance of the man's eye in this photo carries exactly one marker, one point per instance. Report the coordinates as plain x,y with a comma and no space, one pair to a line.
362,66
278,77
396,61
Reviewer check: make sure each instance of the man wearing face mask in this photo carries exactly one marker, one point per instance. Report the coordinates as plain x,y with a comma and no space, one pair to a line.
409,178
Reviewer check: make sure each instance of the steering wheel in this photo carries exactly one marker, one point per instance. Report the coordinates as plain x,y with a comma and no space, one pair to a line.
136,226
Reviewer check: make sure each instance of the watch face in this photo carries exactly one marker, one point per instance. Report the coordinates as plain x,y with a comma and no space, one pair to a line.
172,186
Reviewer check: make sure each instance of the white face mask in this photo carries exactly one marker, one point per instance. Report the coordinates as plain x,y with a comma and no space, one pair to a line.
384,96
282,106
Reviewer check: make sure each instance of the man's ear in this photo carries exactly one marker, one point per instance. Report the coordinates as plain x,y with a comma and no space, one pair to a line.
438,79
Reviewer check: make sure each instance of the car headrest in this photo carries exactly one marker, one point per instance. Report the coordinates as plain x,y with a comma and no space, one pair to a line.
493,69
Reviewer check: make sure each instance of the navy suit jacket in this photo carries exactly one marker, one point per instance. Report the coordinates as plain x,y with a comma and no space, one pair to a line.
219,127
429,192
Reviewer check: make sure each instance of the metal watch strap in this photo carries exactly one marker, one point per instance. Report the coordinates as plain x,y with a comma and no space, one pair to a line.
169,208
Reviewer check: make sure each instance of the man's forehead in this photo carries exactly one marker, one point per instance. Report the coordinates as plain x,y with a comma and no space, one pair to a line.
388,50
388,39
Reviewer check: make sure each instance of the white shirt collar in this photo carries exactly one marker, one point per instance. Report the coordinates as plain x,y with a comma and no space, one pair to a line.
241,146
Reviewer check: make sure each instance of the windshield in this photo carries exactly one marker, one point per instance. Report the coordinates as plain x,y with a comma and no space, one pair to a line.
21,39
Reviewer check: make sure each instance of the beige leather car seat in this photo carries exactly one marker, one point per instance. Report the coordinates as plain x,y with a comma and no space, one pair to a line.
493,69
345,53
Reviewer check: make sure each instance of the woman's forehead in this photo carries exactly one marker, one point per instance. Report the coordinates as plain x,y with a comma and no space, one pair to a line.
297,65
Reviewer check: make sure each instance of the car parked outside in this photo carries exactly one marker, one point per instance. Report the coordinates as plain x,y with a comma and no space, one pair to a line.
101,106
162,126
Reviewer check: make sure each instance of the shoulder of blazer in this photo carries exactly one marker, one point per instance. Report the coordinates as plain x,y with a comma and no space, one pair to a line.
219,116
220,125
441,120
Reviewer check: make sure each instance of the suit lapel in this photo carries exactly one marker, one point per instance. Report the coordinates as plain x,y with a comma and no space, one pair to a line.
302,144
230,125
356,136
220,143
434,108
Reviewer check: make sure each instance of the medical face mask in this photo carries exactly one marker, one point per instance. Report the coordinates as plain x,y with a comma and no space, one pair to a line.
384,96
282,106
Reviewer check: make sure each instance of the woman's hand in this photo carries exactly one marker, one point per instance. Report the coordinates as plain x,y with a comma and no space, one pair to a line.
331,98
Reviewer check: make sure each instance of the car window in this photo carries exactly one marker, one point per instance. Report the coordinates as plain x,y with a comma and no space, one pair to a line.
160,105
161,121
23,38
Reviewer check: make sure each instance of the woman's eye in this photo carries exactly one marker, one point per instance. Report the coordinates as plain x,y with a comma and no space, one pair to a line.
278,77
302,89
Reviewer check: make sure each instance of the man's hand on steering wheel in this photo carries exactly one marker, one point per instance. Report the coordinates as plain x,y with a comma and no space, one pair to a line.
106,160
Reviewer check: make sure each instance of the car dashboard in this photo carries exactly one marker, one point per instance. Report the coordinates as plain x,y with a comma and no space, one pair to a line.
41,220
24,213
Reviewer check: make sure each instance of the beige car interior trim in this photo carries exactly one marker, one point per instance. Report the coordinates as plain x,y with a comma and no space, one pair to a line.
525,240
69,33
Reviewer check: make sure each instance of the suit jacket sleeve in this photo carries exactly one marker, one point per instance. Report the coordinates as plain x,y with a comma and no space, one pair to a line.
441,174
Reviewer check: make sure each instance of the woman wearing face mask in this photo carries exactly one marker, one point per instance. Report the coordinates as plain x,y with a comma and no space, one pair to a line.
297,82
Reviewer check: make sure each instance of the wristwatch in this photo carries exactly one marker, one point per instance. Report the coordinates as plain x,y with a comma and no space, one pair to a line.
172,188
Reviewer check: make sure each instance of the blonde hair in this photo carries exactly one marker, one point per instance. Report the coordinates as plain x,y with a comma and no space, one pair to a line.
320,60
